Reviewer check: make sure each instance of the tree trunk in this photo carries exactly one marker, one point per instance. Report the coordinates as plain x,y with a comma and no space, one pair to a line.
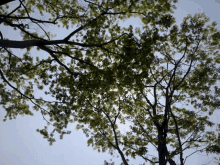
162,148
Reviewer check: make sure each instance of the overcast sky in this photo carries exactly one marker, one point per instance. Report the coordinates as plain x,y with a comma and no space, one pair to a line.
22,145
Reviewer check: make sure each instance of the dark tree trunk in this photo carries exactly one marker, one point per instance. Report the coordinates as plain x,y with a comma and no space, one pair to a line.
162,148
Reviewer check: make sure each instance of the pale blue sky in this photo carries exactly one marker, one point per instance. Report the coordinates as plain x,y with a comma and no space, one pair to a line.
20,144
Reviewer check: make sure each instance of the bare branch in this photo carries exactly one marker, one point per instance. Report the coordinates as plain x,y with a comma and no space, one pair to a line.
5,1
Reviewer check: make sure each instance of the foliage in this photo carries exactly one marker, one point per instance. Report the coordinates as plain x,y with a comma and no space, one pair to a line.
102,74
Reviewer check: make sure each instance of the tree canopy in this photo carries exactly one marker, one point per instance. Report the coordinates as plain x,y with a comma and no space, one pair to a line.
161,79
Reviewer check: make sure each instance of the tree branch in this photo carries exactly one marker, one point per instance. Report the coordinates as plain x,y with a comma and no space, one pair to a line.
5,1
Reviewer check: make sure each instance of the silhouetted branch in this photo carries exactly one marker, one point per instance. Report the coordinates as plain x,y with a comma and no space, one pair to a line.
5,1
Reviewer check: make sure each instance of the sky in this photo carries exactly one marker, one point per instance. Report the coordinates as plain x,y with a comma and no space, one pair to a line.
20,144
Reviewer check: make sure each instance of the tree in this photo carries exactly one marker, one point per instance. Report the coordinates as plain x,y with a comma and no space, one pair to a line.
72,60
124,77
184,70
